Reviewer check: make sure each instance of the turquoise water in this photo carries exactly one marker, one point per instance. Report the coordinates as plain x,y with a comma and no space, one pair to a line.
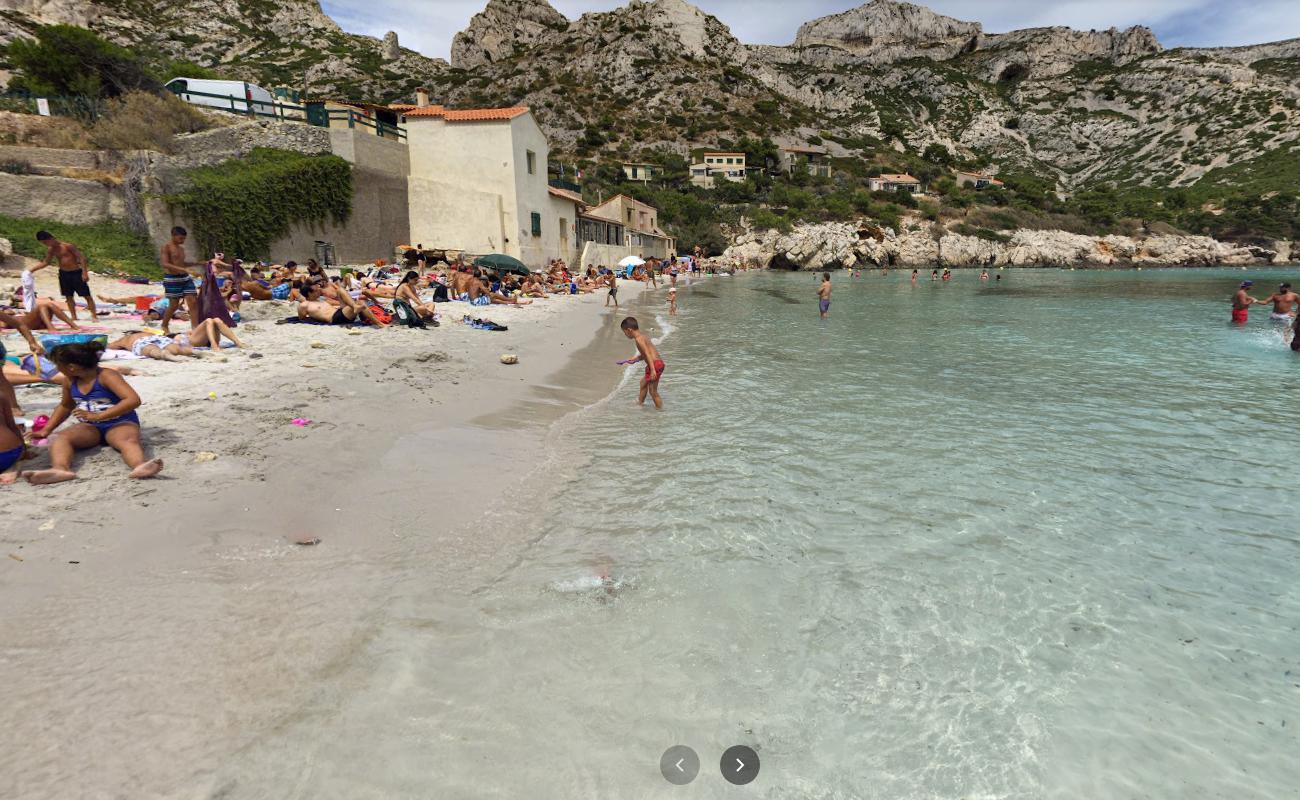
1028,540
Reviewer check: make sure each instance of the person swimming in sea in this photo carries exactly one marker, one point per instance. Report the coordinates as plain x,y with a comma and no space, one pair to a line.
824,295
934,274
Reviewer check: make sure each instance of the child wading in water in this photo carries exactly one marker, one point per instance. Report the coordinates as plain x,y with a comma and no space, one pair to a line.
654,365
104,405
672,302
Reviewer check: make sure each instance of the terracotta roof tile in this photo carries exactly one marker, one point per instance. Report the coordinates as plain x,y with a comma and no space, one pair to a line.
567,195
466,114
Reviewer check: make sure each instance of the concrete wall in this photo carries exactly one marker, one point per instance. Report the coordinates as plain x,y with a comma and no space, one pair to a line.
563,214
64,200
532,196
53,157
458,173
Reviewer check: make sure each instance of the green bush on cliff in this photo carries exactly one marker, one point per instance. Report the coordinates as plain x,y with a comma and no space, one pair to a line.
241,206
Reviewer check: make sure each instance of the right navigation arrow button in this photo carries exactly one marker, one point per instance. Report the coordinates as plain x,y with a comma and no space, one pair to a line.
739,765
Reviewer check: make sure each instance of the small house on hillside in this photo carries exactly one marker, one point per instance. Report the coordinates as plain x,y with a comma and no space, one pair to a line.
812,160
727,165
899,182
978,180
637,171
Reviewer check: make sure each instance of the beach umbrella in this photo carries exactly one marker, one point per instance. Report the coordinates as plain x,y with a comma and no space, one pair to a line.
631,261
502,263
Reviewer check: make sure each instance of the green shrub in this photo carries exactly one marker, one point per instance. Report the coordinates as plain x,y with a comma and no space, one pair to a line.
243,205
67,60
15,167
145,121
109,247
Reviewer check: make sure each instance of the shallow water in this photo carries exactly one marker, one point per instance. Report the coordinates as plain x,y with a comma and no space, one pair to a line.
1027,540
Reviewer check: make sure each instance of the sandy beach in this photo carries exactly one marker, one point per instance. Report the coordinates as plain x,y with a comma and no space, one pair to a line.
152,628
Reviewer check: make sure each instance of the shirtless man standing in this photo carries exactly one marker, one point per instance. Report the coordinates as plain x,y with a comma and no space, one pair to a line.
1283,301
824,295
1241,303
178,283
344,313
74,276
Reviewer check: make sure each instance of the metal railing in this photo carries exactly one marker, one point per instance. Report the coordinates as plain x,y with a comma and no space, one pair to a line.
310,114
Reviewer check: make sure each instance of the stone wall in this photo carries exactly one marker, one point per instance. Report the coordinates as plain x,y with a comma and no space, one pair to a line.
65,200
380,220
53,157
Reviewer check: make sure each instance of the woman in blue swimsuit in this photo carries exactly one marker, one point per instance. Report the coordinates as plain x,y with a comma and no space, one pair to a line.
104,405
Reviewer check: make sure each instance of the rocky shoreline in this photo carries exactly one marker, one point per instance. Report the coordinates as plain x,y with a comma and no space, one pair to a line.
833,245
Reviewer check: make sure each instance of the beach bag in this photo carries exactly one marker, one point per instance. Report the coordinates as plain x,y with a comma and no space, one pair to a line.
382,314
405,314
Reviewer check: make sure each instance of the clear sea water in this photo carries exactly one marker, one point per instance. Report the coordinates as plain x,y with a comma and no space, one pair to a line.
1028,540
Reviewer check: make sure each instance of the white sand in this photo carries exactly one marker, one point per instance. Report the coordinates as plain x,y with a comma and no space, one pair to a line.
190,623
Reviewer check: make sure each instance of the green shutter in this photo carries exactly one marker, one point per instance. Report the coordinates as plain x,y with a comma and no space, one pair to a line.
537,224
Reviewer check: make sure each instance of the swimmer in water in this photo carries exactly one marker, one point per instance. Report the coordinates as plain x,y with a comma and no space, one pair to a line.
934,274
824,295
1241,303
984,275
914,274
1283,301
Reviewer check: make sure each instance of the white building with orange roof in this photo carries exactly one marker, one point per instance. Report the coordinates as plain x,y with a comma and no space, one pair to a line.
478,184
897,182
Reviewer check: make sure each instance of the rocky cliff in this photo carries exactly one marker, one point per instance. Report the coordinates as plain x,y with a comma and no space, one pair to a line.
865,245
290,43
1074,109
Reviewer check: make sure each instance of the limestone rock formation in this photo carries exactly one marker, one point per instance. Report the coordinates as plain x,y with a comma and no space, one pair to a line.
884,31
502,29
6,249
922,245
392,50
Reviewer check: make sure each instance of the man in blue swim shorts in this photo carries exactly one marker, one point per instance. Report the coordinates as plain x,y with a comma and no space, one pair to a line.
178,283
824,294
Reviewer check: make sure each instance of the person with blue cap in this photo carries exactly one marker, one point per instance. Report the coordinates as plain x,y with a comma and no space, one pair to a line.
1242,301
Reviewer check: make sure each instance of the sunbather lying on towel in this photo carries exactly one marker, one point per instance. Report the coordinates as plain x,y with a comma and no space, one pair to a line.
345,312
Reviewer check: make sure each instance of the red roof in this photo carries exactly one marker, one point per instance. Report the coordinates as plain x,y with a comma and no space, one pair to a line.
466,114
577,198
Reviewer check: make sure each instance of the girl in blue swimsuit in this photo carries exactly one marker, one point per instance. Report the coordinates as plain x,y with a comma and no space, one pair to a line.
104,405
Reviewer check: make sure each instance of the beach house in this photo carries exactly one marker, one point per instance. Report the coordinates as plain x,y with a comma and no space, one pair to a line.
726,165
639,223
900,182
978,180
478,183
812,160
637,171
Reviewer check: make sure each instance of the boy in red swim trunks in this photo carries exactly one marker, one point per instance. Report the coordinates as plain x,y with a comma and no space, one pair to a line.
654,365
1241,303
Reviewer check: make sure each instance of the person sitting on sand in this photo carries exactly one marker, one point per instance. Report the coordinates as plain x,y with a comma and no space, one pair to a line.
14,321
346,312
407,291
12,447
104,405
315,273
496,297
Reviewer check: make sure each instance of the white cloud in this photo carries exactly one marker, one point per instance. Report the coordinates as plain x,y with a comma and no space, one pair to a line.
429,25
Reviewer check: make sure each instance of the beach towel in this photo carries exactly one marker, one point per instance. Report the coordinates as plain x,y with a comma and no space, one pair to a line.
211,303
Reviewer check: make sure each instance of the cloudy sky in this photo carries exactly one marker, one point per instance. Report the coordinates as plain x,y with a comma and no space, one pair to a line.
428,25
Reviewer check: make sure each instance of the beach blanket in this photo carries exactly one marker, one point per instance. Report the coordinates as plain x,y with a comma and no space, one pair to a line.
295,321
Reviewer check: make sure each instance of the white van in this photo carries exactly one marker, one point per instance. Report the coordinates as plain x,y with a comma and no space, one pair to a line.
236,96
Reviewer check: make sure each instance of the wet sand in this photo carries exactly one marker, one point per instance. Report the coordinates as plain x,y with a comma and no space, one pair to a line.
154,629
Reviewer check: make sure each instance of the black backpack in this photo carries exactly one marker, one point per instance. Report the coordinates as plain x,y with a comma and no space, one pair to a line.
405,314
